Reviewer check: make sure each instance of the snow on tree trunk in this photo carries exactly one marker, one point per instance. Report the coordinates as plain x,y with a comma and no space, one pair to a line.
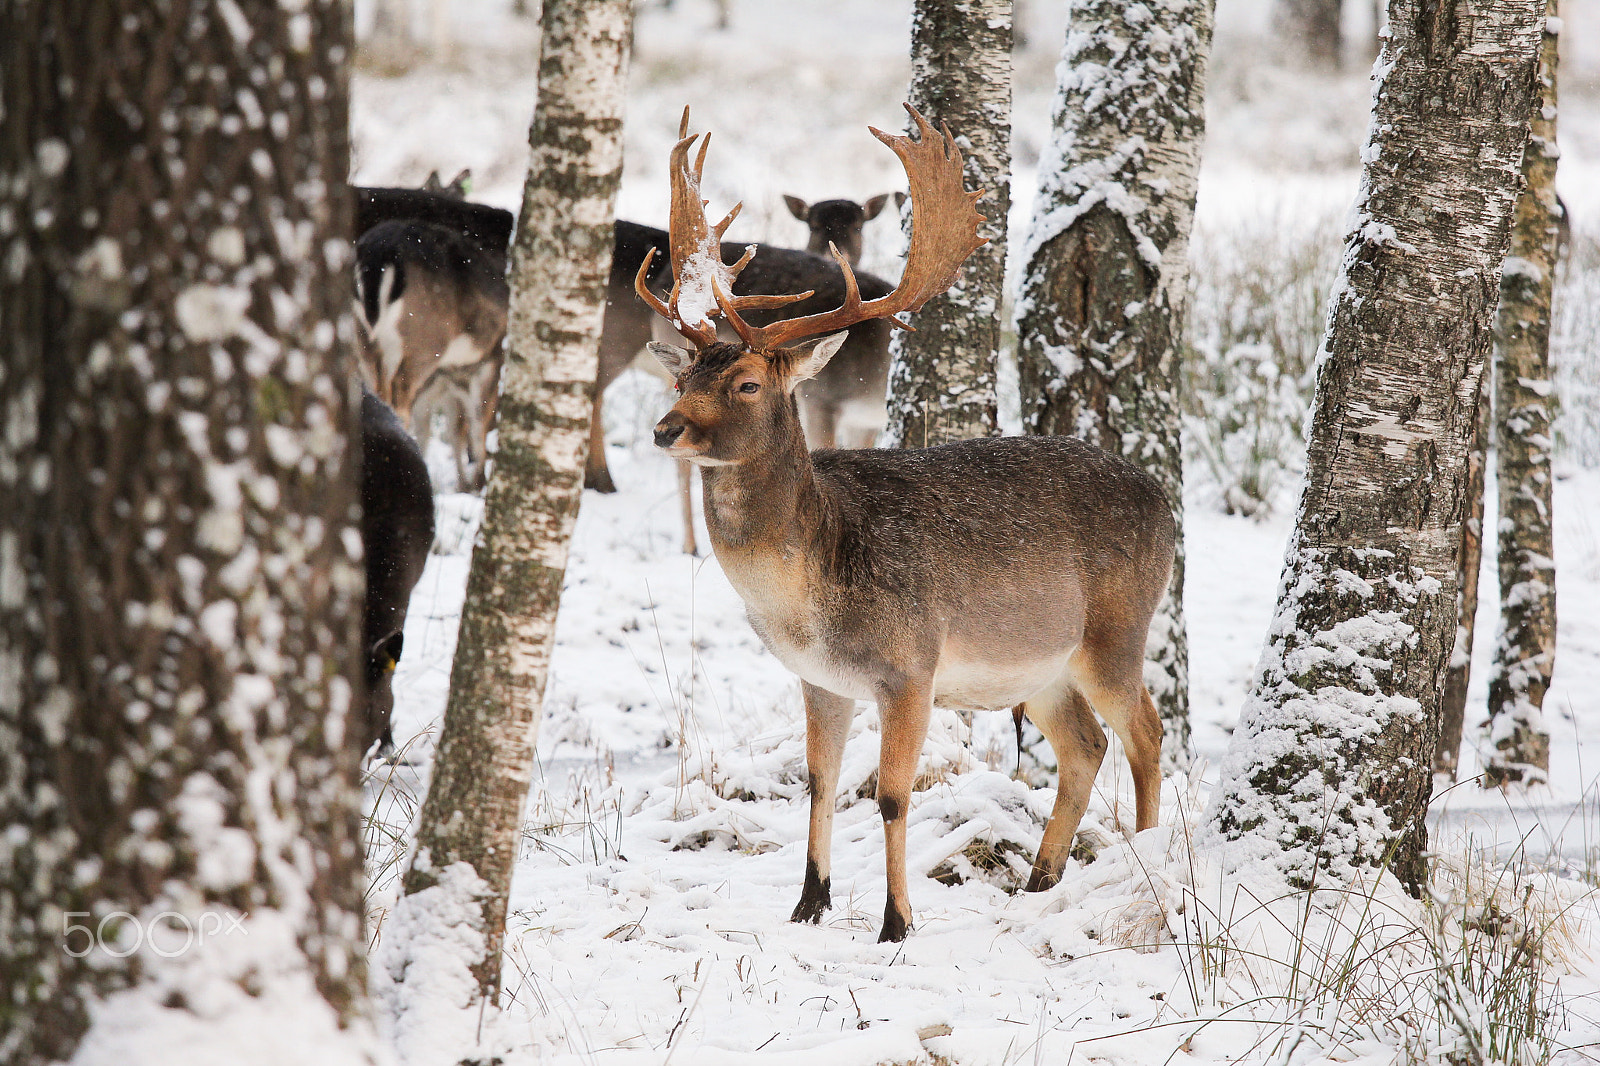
942,377
180,557
1309,32
1099,320
1330,768
1453,704
471,822
1517,748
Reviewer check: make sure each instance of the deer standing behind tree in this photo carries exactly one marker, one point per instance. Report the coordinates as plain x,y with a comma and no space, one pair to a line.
982,573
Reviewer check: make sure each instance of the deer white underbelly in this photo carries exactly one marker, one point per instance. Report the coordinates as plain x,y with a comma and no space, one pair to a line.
964,682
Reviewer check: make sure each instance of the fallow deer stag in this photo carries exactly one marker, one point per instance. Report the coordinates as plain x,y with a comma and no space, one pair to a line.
983,573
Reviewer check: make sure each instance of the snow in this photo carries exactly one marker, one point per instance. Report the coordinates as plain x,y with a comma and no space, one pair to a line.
666,830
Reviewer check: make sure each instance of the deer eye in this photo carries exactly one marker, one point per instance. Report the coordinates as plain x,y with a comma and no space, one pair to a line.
750,387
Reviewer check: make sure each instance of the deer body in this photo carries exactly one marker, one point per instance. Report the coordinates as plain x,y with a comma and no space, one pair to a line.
431,302
397,532
979,574
983,573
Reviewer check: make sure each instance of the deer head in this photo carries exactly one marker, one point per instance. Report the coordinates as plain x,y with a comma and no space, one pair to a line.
735,397
839,222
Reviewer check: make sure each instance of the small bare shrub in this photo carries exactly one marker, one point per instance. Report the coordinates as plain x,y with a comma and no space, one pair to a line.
1256,315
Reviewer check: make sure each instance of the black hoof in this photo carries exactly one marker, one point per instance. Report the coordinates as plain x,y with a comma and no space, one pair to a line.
814,898
600,482
895,925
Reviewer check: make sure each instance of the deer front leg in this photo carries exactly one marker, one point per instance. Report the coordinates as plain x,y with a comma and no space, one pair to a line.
904,716
686,502
827,724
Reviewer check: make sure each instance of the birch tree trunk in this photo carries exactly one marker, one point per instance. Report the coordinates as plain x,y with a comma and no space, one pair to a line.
1517,748
1330,768
1099,320
942,377
180,571
1453,703
471,821
1309,32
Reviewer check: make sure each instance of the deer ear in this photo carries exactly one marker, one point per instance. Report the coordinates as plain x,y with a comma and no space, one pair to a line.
670,356
871,208
811,363
899,200
797,207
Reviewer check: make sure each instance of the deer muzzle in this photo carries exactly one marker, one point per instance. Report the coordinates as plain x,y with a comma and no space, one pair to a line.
668,430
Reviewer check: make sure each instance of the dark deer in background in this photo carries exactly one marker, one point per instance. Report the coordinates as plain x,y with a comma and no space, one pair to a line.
839,222
431,299
397,531
983,573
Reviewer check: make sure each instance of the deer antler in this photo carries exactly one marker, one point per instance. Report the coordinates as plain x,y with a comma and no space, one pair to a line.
944,231
697,267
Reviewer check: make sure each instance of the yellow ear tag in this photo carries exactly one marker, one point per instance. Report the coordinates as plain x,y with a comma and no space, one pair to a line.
388,665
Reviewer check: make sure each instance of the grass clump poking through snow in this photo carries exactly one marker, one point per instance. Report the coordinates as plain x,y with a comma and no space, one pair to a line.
1466,977
1257,306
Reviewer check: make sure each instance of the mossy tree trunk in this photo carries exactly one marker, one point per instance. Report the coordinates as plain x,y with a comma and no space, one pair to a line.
471,821
1517,748
180,574
942,377
1099,319
1330,769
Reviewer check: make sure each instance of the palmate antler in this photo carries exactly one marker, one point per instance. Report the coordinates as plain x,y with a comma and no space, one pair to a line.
697,267
944,231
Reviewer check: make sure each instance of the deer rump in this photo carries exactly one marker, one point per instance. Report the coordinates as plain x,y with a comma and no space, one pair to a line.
1002,544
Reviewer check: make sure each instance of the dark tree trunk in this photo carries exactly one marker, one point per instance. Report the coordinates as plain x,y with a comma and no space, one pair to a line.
942,377
180,575
1330,769
1099,320
1518,746
561,259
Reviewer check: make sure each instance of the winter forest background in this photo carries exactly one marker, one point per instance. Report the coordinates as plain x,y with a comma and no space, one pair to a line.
667,724
663,839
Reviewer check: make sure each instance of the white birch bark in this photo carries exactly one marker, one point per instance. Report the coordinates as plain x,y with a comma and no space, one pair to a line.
1099,320
471,820
1330,768
1516,747
942,377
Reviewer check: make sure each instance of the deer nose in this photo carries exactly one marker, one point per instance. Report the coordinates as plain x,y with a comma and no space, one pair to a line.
667,432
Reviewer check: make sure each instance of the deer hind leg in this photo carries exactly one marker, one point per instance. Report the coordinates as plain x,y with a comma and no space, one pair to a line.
827,724
1113,681
1068,723
904,716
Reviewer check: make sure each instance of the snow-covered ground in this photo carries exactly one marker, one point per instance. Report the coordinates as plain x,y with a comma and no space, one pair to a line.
666,835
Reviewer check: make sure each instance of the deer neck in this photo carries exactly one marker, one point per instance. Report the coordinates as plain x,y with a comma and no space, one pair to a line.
767,506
